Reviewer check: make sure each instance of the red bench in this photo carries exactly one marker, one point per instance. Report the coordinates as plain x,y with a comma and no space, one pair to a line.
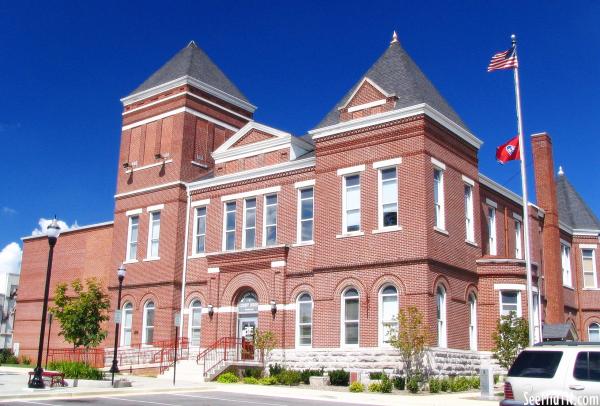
54,378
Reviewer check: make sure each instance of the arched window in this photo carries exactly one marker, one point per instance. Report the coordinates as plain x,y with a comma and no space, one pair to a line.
148,323
127,322
194,322
304,314
473,322
441,316
388,314
594,332
350,317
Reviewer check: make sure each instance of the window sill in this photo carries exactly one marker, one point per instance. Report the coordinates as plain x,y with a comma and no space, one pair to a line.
590,288
440,230
151,259
472,243
354,234
387,230
201,255
303,244
569,287
130,261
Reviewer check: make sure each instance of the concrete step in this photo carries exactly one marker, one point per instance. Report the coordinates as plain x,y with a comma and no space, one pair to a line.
187,370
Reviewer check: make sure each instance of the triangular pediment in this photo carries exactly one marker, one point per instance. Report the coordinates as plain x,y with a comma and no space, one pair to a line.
367,91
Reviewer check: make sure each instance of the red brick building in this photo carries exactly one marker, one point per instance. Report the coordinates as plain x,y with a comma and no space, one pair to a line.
321,238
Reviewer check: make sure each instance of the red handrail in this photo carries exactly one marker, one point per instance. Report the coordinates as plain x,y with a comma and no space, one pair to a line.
91,356
228,349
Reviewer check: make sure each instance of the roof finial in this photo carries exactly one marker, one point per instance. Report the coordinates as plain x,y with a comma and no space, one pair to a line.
560,171
394,37
192,44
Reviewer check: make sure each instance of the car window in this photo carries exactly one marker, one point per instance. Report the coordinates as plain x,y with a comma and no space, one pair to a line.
536,364
587,366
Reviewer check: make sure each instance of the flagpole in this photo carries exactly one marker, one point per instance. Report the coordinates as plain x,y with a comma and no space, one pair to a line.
522,154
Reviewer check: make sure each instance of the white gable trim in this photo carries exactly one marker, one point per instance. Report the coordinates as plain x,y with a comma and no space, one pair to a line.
177,111
362,82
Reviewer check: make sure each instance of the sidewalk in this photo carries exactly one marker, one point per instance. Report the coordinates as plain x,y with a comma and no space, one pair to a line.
13,386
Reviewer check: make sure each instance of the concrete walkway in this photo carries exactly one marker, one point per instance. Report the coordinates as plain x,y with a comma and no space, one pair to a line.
13,386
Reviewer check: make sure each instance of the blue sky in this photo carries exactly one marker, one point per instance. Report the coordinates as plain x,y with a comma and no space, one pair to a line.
64,66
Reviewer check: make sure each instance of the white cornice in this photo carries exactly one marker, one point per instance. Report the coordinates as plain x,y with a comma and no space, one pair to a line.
82,228
188,80
149,189
253,173
398,114
177,111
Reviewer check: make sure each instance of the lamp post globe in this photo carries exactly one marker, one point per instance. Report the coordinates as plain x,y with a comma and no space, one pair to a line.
121,272
52,231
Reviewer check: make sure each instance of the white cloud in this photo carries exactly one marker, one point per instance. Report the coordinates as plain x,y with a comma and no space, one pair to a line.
10,259
44,223
8,210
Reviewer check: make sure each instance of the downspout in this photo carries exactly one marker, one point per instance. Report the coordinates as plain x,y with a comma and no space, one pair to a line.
185,255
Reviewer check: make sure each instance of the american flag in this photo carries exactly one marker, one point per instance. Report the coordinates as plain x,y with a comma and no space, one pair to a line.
504,60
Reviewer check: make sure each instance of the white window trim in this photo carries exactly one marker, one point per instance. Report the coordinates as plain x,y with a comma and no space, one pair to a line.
565,244
299,217
344,203
190,316
343,320
264,227
144,321
244,228
305,184
519,303
195,231
439,164
518,239
590,327
491,203
468,181
594,270
122,326
133,212
312,308
224,241
381,331
203,202
442,341
156,207
351,170
473,339
440,224
149,242
492,231
129,260
470,213
386,165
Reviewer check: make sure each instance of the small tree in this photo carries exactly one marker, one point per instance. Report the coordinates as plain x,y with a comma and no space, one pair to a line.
510,337
82,312
411,341
265,342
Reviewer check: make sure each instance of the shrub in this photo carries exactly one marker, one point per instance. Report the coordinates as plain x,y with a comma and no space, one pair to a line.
289,377
275,369
8,357
357,387
250,380
228,377
386,384
268,380
376,375
413,385
434,385
339,377
474,382
24,359
399,382
307,373
252,373
496,379
76,370
375,387
459,384
445,385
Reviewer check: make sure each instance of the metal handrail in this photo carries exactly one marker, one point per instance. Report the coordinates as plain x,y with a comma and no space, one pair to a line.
228,349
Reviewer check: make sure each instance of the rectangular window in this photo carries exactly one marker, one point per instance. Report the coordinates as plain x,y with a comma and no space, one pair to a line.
229,226
588,257
132,238
270,231
518,244
492,231
200,235
565,254
305,214
388,198
153,235
469,224
249,236
438,198
351,203
510,301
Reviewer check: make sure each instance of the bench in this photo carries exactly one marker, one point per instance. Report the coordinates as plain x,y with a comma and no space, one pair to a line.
53,377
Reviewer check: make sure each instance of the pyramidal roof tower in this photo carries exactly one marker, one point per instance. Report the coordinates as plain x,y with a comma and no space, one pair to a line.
400,80
572,209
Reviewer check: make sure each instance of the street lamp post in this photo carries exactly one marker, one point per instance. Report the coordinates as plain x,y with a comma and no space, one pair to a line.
114,368
48,341
37,381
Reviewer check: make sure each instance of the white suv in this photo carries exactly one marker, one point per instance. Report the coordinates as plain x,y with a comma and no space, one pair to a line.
561,373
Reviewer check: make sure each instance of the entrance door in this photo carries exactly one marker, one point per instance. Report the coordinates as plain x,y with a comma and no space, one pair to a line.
246,328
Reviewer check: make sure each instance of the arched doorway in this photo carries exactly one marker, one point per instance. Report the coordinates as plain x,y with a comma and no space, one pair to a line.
247,322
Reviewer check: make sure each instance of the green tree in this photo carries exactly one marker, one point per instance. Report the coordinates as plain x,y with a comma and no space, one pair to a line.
411,341
82,312
510,337
265,341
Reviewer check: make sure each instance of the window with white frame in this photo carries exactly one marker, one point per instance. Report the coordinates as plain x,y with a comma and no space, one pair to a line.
249,235
350,317
195,321
518,244
127,323
148,323
438,198
510,302
388,197
153,235
270,221
469,224
388,314
565,254
305,214
473,322
304,314
229,227
351,203
441,317
594,332
491,223
132,237
588,258
200,232
536,317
